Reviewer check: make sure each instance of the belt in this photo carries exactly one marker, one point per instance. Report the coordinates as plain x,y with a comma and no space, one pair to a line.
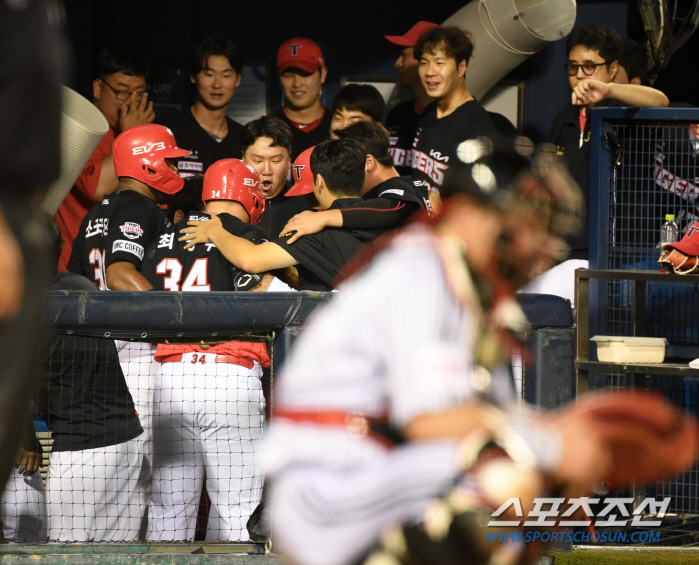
220,358
355,422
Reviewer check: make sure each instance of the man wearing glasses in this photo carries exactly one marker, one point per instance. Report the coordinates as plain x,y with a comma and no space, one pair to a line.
119,92
593,54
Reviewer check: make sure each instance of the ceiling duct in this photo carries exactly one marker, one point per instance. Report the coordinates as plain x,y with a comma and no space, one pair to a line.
506,32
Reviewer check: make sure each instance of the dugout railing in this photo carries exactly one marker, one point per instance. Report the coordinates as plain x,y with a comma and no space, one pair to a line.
272,319
644,165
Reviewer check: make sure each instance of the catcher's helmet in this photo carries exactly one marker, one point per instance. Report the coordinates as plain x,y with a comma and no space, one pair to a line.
140,153
233,179
506,174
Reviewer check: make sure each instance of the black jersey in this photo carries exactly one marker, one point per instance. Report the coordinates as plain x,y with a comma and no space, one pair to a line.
321,256
401,123
119,228
85,397
205,149
280,209
437,139
573,144
202,268
304,139
386,206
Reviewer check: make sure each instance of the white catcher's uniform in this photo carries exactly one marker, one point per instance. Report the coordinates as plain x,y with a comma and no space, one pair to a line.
395,340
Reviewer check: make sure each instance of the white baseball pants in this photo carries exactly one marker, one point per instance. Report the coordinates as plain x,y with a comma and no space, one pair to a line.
93,494
23,508
333,516
207,423
140,371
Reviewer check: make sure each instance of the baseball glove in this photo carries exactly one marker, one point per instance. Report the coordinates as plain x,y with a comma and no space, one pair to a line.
673,260
647,439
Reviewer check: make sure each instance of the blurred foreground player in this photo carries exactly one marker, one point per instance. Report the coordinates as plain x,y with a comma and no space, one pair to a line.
208,402
383,408
34,58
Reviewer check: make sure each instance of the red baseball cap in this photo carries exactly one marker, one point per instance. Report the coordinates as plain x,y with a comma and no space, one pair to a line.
303,177
409,39
301,53
689,244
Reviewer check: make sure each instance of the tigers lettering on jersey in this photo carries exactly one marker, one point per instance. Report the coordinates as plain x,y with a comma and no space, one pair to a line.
432,167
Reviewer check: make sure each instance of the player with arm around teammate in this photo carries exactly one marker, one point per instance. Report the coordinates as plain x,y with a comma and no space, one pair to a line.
383,409
333,173
208,402
388,200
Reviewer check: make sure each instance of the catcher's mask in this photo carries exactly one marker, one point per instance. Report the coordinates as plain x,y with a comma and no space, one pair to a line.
539,201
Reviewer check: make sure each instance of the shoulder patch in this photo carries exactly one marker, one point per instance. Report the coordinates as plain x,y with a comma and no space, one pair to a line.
131,230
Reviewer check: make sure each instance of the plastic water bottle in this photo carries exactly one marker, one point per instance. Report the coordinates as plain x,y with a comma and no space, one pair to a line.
669,233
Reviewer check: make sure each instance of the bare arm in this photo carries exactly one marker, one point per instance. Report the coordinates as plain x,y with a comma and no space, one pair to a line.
122,275
108,181
588,92
240,252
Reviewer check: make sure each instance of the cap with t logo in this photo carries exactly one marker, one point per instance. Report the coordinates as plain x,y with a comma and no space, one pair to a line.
301,174
299,53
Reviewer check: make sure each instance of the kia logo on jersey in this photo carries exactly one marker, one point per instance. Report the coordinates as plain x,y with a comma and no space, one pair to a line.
131,230
148,148
297,171
294,49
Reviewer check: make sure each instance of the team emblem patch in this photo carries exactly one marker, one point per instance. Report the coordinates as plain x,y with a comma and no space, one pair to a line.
131,230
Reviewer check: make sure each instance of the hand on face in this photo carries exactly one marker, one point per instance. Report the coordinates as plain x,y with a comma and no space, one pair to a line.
137,113
119,94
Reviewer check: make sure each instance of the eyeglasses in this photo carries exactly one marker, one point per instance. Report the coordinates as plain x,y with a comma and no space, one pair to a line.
588,69
123,95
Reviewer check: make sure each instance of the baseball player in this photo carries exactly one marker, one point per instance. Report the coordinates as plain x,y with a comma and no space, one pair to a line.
454,116
208,402
338,167
113,237
388,200
112,240
388,401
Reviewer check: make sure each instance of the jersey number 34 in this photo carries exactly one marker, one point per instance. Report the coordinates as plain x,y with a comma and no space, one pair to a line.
196,278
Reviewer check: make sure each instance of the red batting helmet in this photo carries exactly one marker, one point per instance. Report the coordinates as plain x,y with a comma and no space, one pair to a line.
140,153
301,172
233,179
